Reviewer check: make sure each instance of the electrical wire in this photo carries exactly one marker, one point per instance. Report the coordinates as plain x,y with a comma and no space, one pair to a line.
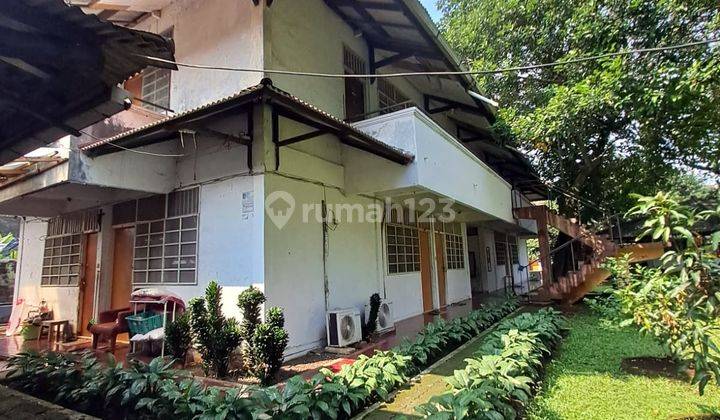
438,73
142,152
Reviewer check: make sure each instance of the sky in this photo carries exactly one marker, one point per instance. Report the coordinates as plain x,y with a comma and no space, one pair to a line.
431,8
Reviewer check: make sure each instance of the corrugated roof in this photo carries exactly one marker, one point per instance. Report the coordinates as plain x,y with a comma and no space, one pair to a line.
174,117
59,63
265,89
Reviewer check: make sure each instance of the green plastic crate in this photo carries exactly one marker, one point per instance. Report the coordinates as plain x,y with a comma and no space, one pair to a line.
144,322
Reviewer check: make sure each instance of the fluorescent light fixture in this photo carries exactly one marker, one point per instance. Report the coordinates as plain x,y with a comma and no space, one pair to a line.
482,98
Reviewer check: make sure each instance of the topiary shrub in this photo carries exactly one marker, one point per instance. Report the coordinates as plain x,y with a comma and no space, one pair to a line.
178,337
371,325
275,317
268,345
249,302
215,335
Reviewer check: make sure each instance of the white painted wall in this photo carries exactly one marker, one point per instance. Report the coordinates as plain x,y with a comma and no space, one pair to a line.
214,32
62,300
294,267
296,274
128,170
458,281
442,165
405,293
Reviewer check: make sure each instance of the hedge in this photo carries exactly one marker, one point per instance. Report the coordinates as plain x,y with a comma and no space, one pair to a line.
499,379
141,391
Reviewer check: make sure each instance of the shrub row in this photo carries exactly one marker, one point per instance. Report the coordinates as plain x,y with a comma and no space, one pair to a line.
498,380
155,391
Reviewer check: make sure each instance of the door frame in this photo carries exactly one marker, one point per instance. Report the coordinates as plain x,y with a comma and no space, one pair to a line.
426,270
83,285
113,277
440,267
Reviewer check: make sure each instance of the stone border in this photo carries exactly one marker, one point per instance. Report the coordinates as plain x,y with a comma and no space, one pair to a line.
15,404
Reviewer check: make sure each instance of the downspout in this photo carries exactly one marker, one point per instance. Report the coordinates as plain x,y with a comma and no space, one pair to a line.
326,251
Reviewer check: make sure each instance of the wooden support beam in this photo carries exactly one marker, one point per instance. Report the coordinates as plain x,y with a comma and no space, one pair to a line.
449,104
52,158
369,19
371,61
302,137
392,59
394,45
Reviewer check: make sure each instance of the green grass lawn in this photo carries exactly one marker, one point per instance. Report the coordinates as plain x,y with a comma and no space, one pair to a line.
585,379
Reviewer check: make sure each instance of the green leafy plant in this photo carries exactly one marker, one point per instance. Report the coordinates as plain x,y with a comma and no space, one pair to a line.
371,325
499,379
249,302
178,337
156,391
217,337
679,303
265,342
268,345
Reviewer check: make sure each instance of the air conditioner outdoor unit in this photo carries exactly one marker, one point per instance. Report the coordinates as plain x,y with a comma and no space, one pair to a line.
385,318
343,327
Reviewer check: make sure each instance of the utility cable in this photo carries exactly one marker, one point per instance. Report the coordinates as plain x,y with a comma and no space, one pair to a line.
142,152
438,73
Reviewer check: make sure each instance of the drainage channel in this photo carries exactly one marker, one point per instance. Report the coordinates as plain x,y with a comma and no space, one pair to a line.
428,383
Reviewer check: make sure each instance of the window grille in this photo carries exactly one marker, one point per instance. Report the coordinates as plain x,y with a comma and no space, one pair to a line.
514,254
61,261
403,249
390,98
156,89
81,222
354,64
166,237
166,251
454,247
63,253
500,253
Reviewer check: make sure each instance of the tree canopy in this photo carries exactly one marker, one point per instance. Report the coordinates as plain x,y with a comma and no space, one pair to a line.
606,128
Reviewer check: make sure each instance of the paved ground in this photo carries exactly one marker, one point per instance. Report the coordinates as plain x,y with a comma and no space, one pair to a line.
18,406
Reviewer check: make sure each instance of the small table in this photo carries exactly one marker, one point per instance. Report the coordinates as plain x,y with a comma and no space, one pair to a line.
53,324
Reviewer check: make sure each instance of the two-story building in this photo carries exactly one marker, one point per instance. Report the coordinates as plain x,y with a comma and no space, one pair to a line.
263,177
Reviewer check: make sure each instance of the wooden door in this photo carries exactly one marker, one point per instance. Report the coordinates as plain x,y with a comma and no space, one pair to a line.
354,99
425,270
87,285
441,269
122,268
